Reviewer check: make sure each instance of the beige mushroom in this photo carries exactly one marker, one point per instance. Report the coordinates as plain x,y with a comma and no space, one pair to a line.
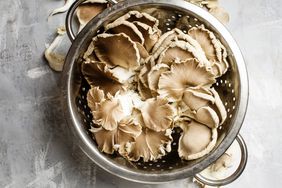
205,106
107,49
154,76
94,97
57,50
149,145
150,35
126,27
97,74
213,48
183,75
196,139
109,141
142,17
90,9
157,114
183,47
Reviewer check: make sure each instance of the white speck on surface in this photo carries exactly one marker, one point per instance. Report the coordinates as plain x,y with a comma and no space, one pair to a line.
37,72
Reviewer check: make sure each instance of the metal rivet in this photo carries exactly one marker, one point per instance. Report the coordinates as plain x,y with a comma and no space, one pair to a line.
233,107
230,116
234,99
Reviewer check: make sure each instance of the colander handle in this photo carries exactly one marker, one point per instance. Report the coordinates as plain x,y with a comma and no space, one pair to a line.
236,174
70,14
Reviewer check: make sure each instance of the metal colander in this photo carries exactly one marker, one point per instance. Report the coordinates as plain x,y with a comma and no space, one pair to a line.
232,88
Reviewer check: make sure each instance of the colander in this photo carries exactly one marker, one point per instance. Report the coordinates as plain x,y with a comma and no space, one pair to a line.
232,87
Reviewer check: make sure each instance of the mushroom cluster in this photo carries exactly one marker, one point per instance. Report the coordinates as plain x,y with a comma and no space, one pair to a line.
145,83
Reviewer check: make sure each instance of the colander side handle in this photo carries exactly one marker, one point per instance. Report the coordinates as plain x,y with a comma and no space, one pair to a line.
70,14
235,175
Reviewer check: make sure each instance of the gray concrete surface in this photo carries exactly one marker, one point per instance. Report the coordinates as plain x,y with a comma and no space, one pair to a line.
34,149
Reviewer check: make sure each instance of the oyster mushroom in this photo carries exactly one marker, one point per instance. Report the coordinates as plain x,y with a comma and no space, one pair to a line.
109,141
149,145
213,48
154,76
88,10
205,106
56,52
126,27
94,97
157,114
196,139
97,74
142,17
150,35
183,75
107,48
177,45
108,113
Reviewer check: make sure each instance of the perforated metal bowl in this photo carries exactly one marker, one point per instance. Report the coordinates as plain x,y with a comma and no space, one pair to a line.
232,87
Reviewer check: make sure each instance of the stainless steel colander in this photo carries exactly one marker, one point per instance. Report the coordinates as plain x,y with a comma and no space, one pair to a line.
232,87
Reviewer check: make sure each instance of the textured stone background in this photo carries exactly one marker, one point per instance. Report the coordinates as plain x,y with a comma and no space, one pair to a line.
34,150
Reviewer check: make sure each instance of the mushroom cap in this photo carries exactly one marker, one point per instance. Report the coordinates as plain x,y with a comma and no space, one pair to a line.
176,38
108,113
107,49
94,97
157,114
98,75
127,28
213,48
204,105
154,75
107,140
90,9
149,145
150,35
182,75
142,17
196,140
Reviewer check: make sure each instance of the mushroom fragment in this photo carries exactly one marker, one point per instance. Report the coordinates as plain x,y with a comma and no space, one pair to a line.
196,139
205,106
56,52
88,10
213,48
107,49
182,75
